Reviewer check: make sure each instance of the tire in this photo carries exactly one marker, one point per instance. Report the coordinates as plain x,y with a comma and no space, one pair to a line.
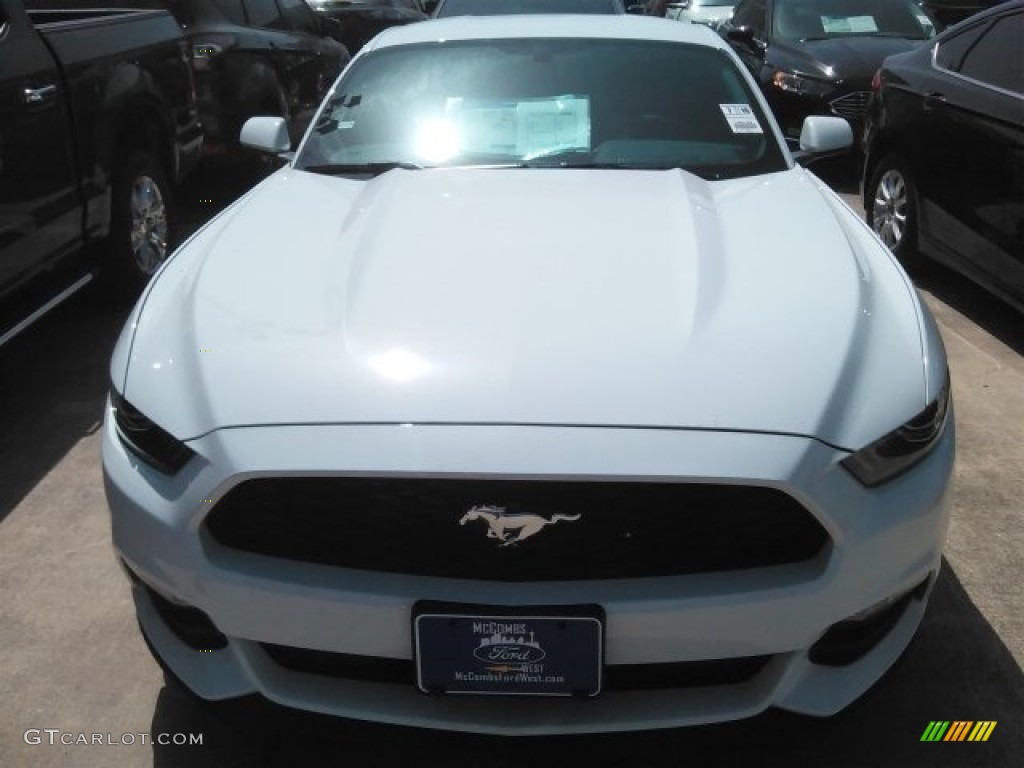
140,226
891,209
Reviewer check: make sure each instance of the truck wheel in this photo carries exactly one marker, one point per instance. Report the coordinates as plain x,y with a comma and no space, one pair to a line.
140,226
892,209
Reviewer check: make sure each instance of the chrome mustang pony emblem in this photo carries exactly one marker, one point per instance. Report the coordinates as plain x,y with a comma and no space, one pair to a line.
511,529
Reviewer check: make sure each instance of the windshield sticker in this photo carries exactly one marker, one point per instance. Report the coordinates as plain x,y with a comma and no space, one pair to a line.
848,25
925,22
525,128
741,118
488,128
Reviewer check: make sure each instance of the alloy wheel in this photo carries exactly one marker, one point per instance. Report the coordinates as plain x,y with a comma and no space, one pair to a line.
890,209
148,224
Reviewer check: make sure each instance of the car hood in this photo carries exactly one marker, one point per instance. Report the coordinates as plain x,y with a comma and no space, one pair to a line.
851,60
556,297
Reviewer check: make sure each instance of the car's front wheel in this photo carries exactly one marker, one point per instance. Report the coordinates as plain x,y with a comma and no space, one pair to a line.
140,231
892,208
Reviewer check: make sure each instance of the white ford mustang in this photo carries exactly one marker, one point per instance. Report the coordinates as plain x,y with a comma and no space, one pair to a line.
540,392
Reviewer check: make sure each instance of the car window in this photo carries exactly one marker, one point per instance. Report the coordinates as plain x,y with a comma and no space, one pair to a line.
551,102
824,19
183,11
751,13
951,50
232,10
298,16
996,58
263,13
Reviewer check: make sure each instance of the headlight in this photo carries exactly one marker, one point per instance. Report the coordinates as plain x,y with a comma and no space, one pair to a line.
158,448
901,449
800,84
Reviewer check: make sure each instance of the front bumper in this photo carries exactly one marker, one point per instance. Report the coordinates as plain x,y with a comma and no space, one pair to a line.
884,543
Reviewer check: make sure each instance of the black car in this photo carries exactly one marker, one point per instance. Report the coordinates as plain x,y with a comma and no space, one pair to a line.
98,125
257,57
948,12
361,20
944,143
817,57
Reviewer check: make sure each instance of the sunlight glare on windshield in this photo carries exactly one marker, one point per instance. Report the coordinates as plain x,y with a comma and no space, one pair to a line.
437,140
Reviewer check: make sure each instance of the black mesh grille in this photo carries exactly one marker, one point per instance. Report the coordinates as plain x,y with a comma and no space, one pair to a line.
852,106
412,526
617,677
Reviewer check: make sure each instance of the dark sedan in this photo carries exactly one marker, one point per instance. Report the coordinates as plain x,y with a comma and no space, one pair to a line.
817,56
944,171
361,20
948,12
257,57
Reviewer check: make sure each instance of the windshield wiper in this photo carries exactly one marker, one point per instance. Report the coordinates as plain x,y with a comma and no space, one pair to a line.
899,35
373,169
591,165
838,35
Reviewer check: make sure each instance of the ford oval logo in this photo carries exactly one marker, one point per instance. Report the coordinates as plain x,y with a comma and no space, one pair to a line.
509,649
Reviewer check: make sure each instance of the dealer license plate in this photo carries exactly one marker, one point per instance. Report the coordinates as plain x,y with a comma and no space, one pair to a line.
528,653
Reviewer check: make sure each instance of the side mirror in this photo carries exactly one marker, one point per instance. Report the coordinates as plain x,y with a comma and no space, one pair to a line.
331,27
744,36
821,135
266,134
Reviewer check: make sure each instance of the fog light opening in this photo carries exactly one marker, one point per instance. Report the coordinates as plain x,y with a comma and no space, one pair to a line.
854,637
189,624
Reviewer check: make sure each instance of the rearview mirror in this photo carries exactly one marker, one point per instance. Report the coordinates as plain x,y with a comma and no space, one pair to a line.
332,28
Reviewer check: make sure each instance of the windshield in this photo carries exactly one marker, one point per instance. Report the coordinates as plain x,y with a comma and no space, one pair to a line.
504,7
544,103
824,19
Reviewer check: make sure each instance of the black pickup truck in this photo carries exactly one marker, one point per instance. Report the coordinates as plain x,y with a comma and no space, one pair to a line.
98,122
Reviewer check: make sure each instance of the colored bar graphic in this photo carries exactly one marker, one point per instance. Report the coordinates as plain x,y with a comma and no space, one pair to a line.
958,730
982,730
